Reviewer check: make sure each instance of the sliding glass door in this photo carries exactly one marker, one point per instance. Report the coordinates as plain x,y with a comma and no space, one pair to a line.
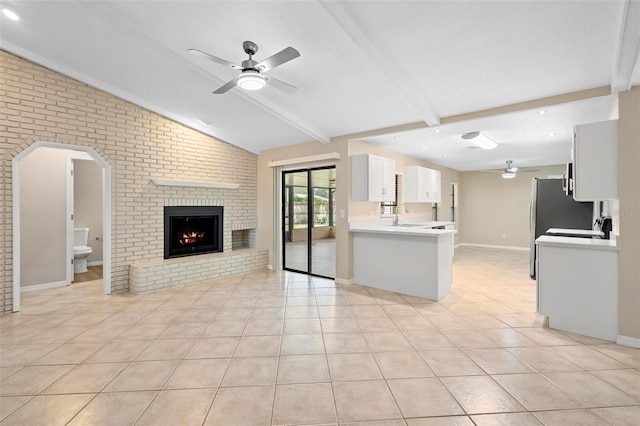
308,230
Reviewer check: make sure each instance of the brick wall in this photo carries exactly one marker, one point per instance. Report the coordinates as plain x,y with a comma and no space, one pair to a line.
37,104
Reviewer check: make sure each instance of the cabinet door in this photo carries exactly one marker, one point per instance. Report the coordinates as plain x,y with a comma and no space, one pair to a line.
434,182
421,185
376,178
595,161
389,180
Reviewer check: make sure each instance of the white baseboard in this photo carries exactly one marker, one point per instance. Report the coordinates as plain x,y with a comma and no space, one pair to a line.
44,286
96,263
343,281
633,342
494,246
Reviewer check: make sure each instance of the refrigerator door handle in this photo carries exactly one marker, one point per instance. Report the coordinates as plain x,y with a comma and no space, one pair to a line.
532,226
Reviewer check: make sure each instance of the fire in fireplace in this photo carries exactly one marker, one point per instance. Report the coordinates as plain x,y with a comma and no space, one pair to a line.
192,230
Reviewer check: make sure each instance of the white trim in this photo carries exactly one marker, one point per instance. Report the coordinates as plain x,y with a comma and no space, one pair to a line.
106,212
270,267
195,183
44,286
15,186
627,47
307,159
494,246
633,342
343,281
95,263
276,257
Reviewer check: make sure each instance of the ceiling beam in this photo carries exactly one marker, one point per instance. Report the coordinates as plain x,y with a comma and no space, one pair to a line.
382,58
537,103
628,48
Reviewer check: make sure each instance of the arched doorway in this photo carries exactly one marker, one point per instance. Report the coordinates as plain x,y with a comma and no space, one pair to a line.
106,214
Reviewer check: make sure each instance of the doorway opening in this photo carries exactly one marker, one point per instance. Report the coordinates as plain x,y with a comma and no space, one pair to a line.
29,271
308,221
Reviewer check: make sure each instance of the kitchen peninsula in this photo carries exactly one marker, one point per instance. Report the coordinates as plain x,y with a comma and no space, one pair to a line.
409,258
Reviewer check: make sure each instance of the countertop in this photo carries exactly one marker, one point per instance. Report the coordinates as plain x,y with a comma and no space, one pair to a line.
577,243
577,232
385,226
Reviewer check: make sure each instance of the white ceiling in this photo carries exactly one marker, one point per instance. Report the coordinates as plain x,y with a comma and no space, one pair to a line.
364,65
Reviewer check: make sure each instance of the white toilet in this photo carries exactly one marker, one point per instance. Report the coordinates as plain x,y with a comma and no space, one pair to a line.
81,250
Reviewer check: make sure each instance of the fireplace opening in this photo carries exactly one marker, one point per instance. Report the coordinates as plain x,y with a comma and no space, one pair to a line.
192,230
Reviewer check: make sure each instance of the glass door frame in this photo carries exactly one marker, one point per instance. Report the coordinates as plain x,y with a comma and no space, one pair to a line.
310,216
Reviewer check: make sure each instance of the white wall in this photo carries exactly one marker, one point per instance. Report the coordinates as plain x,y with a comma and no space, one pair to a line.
87,203
495,211
43,215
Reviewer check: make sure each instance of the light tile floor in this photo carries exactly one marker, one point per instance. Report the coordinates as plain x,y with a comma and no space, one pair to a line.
282,348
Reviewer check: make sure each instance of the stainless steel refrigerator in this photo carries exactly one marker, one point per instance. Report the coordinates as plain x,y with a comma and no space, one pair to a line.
552,208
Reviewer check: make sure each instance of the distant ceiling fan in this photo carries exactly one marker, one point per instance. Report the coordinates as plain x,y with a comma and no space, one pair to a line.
252,75
509,172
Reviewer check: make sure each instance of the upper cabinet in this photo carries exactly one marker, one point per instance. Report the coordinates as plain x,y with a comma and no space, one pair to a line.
421,185
373,178
595,161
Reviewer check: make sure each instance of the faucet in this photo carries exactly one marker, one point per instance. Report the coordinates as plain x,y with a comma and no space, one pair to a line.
396,220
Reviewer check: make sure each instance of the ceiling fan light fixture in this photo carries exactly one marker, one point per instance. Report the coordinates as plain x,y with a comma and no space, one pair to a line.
508,175
251,80
480,139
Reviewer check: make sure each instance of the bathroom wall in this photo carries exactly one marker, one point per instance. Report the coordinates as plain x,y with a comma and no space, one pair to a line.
87,204
42,217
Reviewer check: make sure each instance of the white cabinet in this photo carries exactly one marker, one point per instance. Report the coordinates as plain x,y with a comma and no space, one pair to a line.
595,161
421,185
578,285
373,178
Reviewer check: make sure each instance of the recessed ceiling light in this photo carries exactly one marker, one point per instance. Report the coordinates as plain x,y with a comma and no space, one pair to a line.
542,111
445,156
10,13
396,138
552,134
437,130
423,147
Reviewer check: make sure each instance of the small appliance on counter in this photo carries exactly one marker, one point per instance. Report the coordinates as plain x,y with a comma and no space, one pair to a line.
605,226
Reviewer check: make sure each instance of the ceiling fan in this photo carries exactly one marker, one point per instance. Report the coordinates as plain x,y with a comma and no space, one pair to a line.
252,73
510,171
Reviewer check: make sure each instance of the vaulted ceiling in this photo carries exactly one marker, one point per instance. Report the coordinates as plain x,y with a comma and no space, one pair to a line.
364,66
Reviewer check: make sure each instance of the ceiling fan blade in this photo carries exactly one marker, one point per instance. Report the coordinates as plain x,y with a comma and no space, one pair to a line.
279,84
512,169
285,55
227,86
215,59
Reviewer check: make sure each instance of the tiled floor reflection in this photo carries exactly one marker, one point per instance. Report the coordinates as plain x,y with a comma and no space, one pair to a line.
281,348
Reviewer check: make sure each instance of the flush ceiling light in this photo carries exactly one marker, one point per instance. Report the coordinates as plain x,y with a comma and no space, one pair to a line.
10,13
480,139
251,80
508,175
542,111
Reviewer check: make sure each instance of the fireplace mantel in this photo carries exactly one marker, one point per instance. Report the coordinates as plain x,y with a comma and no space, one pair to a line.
195,183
